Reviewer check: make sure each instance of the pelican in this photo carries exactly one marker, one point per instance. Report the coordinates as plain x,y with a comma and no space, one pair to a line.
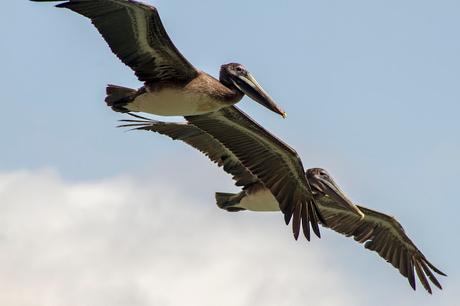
275,165
172,86
265,185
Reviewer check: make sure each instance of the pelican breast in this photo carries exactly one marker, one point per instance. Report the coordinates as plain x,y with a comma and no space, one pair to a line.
201,95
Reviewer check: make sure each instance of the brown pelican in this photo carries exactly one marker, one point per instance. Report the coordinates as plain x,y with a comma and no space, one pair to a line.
276,165
379,232
172,86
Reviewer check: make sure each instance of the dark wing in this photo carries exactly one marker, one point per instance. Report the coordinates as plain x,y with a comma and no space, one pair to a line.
274,163
384,235
136,35
201,141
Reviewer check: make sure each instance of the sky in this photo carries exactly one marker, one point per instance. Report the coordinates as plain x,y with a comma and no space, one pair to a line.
93,215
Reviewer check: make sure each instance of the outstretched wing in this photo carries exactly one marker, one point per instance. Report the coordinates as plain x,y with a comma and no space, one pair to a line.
384,235
201,141
135,34
272,161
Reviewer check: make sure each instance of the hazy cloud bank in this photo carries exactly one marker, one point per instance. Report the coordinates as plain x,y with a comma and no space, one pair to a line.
122,242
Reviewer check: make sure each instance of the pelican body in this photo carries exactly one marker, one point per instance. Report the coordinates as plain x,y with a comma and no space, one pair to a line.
270,172
256,197
172,86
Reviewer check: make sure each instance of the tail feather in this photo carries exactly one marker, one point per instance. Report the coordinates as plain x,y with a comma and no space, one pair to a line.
228,201
118,96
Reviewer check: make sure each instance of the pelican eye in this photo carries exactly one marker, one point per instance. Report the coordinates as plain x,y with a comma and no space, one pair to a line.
240,69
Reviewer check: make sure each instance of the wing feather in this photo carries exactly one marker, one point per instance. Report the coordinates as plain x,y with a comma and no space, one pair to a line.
201,141
384,235
135,34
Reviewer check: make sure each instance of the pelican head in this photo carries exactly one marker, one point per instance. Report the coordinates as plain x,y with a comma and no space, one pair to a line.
236,76
321,182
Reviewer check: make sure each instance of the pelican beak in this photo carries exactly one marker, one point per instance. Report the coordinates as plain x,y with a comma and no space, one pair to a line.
333,191
249,86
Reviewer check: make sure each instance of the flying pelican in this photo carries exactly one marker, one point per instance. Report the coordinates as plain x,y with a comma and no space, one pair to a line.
172,86
379,232
273,162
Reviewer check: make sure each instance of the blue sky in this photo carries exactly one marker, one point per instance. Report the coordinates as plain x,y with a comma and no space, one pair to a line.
371,91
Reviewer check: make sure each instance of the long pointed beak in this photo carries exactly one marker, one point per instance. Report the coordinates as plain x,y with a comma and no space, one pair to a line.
249,86
332,190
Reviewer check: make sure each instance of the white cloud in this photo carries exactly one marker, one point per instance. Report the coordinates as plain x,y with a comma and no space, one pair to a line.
123,241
